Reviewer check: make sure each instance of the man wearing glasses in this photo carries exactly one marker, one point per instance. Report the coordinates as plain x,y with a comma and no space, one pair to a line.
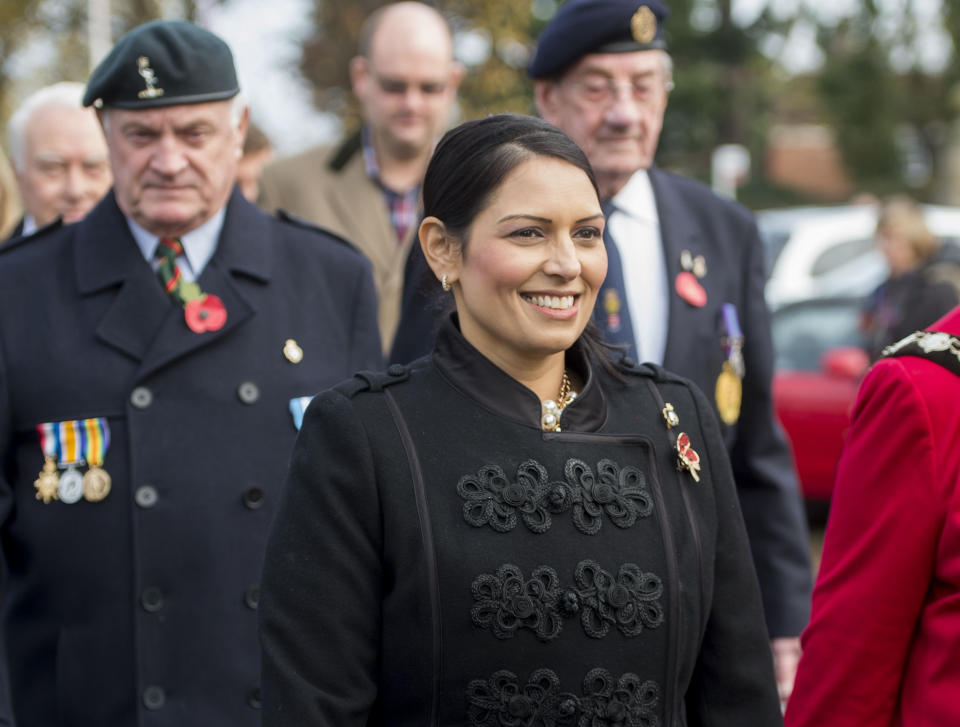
367,188
685,283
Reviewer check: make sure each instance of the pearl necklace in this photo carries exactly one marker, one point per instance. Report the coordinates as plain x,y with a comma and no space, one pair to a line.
551,410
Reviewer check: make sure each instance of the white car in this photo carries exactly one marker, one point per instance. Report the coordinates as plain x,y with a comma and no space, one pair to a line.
816,252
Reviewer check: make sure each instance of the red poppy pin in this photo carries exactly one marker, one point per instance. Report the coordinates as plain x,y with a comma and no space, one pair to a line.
687,458
205,313
689,288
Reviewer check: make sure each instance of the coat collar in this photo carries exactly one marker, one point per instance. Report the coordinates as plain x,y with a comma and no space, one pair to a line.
474,375
106,255
140,319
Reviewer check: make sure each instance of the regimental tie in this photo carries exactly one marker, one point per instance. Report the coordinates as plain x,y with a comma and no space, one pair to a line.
202,311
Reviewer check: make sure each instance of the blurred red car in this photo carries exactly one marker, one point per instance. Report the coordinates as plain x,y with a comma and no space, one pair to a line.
818,367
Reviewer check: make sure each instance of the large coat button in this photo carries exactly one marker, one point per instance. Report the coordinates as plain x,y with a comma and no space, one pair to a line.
248,392
141,397
252,597
253,698
253,498
153,697
151,598
146,496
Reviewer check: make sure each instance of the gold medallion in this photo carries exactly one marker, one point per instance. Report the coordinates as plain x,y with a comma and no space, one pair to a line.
292,351
729,393
47,481
96,484
643,25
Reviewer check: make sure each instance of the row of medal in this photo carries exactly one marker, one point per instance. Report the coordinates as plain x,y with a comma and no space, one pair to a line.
68,446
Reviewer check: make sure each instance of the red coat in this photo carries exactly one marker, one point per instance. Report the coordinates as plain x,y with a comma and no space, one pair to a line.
883,644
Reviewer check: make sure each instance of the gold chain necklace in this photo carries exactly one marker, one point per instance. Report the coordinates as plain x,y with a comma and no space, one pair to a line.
551,410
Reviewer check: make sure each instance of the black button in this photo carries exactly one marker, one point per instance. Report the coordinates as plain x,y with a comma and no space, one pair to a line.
141,397
248,392
146,496
252,597
396,369
153,697
253,498
253,698
151,599
628,362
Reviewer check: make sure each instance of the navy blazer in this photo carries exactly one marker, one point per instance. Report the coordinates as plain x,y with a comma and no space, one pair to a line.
693,218
141,608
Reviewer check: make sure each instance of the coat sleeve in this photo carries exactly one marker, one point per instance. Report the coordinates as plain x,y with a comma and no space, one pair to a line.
733,682
878,557
6,502
764,472
366,351
320,605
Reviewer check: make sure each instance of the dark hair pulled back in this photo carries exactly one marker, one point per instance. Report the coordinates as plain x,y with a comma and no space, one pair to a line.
473,159
469,165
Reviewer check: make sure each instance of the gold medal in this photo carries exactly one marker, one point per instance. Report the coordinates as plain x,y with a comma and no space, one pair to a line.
729,394
96,484
47,481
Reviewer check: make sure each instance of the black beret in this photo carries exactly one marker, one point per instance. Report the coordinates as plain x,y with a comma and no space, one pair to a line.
163,63
597,26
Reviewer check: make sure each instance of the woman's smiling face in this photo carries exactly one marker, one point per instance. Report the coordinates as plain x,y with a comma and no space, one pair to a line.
528,276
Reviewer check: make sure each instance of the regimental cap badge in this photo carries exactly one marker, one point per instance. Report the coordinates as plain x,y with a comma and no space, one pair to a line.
643,25
149,77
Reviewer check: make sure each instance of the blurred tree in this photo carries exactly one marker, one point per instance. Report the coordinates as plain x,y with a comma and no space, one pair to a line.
862,98
724,86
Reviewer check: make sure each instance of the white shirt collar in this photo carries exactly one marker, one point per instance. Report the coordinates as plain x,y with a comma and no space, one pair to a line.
636,198
29,225
198,245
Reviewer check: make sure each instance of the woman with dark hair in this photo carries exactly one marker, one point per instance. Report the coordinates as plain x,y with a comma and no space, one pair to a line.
924,280
512,531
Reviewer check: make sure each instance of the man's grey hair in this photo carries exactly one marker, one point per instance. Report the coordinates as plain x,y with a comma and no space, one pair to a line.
67,95
237,106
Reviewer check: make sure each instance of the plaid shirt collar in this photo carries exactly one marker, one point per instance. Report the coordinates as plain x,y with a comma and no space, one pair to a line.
404,207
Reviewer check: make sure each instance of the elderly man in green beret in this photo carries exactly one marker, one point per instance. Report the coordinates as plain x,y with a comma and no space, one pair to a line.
155,360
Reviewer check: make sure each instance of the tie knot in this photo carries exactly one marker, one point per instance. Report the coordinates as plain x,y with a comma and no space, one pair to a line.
168,248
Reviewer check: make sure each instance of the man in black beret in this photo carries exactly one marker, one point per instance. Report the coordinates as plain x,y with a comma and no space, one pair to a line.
685,281
155,360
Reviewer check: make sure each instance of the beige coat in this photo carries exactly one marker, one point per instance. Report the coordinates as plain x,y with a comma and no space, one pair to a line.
329,187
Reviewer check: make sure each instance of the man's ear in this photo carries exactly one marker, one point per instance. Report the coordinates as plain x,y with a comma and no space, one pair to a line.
441,250
359,75
545,95
457,72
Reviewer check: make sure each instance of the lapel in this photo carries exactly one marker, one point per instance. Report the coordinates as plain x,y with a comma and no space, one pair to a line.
358,200
678,231
141,321
106,256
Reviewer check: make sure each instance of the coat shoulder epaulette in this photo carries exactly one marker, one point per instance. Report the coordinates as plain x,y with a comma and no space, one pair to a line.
627,365
303,224
374,381
32,237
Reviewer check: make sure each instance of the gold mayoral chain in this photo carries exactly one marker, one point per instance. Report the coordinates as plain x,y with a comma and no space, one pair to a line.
552,410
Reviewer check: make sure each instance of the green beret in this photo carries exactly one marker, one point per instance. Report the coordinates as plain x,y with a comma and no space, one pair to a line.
163,63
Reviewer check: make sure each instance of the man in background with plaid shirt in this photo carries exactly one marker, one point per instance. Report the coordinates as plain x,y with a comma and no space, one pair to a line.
367,188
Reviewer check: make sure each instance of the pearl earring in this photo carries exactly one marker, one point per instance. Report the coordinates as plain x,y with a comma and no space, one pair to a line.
444,284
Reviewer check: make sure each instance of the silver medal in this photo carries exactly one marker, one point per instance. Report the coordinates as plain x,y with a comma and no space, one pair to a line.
70,489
